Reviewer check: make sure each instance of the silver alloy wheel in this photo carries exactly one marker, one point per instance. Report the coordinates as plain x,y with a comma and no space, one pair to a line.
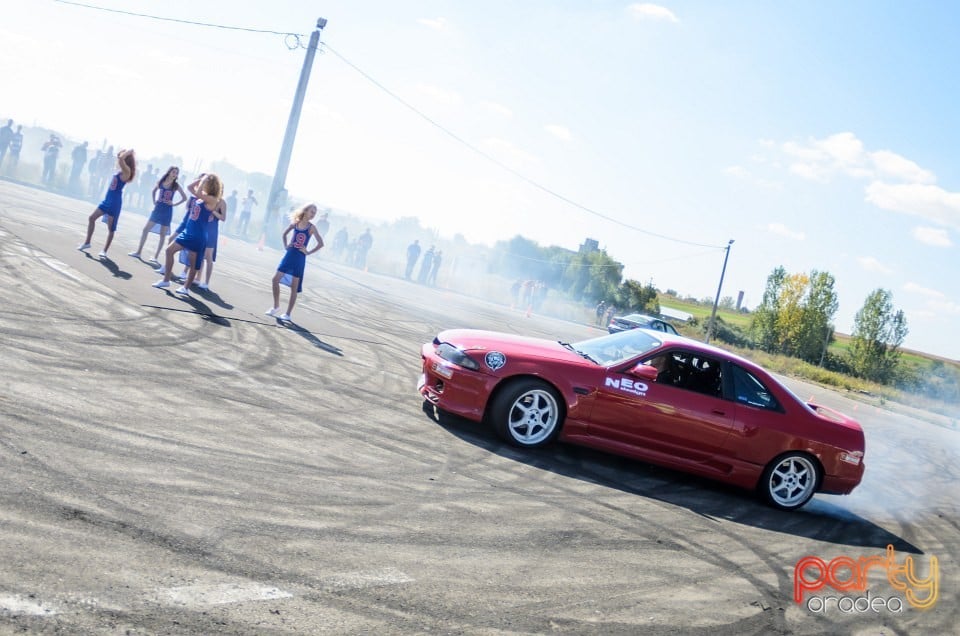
533,417
792,481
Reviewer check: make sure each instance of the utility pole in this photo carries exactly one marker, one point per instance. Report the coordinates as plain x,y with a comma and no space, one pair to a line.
280,174
713,316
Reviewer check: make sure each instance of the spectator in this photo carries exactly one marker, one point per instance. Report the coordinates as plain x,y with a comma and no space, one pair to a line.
413,253
105,168
6,134
79,159
16,143
601,308
323,223
432,276
51,150
231,203
425,266
246,209
340,242
364,243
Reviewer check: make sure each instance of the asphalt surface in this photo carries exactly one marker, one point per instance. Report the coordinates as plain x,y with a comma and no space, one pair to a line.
174,466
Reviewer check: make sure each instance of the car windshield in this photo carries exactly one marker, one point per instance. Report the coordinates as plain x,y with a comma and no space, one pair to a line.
637,318
617,347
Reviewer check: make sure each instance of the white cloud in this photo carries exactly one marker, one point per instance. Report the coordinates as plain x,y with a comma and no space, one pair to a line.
441,95
782,230
439,24
871,264
497,108
560,132
937,237
914,288
844,154
890,164
930,202
647,11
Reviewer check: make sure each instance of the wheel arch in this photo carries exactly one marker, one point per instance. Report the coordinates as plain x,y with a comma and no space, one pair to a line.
507,382
821,471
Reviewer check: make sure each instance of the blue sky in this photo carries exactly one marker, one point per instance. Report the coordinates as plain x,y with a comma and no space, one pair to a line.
817,135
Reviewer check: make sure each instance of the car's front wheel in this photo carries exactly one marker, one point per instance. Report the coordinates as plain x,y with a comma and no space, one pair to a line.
527,413
790,481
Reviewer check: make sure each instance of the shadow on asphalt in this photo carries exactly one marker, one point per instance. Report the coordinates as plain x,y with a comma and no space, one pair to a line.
214,297
113,267
311,338
819,519
201,309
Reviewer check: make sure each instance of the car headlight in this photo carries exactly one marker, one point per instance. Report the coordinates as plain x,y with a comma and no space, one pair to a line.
451,354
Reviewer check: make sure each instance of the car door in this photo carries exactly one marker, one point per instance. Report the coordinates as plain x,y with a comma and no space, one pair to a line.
675,415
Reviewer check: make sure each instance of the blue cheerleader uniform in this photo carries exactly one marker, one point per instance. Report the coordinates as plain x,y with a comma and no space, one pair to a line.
193,235
163,211
112,202
295,261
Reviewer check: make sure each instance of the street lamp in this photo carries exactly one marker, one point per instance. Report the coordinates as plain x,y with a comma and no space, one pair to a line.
713,316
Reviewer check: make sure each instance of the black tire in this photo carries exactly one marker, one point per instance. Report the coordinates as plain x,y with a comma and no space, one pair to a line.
790,480
528,413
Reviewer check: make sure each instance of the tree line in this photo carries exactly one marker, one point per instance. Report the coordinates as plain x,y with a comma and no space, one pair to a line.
795,317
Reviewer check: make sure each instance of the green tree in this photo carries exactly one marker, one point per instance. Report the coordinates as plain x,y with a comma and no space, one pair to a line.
635,296
592,276
791,312
764,324
878,332
821,308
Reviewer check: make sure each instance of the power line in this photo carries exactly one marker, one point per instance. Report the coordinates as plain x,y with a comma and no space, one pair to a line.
179,21
494,160
416,111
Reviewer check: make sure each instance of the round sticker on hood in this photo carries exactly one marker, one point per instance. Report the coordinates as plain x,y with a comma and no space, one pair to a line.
495,360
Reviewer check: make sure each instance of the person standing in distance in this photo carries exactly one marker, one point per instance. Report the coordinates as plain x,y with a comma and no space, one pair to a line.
413,253
112,201
16,143
246,209
295,258
6,134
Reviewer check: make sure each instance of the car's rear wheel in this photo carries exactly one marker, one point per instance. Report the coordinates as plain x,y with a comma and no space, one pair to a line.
527,413
790,481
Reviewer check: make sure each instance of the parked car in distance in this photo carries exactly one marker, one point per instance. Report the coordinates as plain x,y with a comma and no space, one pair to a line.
636,321
651,396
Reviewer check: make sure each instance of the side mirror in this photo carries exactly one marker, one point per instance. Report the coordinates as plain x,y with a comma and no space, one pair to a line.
644,371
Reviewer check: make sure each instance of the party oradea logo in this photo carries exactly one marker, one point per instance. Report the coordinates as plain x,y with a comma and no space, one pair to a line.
851,579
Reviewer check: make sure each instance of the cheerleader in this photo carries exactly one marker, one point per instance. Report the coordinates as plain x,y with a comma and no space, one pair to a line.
210,252
295,259
163,196
208,189
112,201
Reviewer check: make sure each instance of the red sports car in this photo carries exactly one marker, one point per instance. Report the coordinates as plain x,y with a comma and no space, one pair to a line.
652,396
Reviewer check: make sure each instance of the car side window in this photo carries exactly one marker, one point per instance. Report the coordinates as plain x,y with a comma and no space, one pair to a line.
749,390
689,371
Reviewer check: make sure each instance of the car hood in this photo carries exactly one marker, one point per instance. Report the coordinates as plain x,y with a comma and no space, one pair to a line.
509,344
